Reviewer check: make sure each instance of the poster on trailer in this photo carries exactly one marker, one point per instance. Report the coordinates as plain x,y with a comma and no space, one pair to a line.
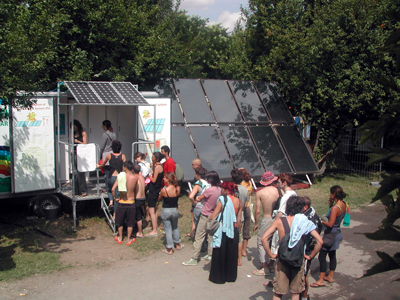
162,125
5,156
34,147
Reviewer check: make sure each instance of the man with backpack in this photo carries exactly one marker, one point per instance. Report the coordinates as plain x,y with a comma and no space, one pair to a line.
292,230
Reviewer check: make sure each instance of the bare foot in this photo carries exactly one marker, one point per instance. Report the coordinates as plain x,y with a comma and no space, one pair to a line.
179,246
239,263
139,235
244,254
329,279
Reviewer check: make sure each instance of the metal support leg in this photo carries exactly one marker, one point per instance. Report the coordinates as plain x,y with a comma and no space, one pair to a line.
109,217
74,213
309,181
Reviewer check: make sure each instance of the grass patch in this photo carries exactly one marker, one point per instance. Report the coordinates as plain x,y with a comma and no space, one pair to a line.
21,254
359,192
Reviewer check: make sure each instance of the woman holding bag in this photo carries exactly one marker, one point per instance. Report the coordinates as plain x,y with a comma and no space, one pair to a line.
226,238
332,236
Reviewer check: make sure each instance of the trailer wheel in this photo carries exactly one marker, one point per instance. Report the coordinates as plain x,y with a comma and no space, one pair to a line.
44,201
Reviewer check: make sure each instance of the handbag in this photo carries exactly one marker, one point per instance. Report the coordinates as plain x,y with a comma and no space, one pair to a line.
329,239
213,225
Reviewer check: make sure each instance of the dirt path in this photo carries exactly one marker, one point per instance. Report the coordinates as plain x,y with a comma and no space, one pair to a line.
159,276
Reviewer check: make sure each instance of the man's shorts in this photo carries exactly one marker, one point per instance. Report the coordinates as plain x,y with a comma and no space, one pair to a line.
139,208
126,212
286,278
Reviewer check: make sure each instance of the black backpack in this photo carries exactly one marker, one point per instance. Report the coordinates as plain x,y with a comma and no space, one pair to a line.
290,257
278,202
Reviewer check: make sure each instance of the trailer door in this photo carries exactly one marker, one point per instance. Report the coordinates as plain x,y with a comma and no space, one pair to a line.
33,147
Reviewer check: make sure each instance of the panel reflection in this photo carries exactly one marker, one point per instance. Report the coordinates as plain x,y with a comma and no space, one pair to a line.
300,156
222,103
273,102
193,101
241,148
273,157
182,151
248,101
211,150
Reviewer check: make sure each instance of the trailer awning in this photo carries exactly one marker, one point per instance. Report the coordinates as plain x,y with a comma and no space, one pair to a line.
101,92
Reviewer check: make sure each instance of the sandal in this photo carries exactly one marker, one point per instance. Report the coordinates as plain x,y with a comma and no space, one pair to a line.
166,252
181,247
317,285
260,272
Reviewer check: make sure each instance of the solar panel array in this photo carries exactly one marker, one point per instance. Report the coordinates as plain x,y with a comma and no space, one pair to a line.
233,124
101,92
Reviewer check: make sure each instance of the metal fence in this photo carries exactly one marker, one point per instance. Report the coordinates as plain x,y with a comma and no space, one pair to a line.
350,158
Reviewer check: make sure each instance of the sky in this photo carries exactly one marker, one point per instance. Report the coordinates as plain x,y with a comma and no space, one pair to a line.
225,12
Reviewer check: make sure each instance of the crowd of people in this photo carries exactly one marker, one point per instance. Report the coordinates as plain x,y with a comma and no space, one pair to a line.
289,223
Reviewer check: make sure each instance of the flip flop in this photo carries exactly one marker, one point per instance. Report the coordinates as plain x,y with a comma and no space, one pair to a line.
259,273
117,240
131,241
139,236
166,252
328,280
316,285
151,235
182,246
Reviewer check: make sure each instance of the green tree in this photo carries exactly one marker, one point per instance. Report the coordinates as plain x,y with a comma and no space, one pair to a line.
325,56
28,38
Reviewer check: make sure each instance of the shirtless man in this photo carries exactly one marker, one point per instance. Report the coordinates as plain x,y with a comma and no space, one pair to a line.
140,199
126,205
266,199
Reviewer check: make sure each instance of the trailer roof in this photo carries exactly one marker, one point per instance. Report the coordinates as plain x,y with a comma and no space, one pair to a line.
104,92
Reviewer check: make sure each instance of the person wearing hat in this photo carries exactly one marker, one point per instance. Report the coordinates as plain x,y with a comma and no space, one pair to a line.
265,198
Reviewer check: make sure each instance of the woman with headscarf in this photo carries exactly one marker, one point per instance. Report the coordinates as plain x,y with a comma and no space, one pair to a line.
224,261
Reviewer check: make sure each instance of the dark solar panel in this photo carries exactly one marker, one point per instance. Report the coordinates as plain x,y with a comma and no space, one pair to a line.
297,150
106,93
211,150
129,93
82,92
194,103
176,113
248,101
222,102
98,92
241,148
183,151
270,150
273,102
